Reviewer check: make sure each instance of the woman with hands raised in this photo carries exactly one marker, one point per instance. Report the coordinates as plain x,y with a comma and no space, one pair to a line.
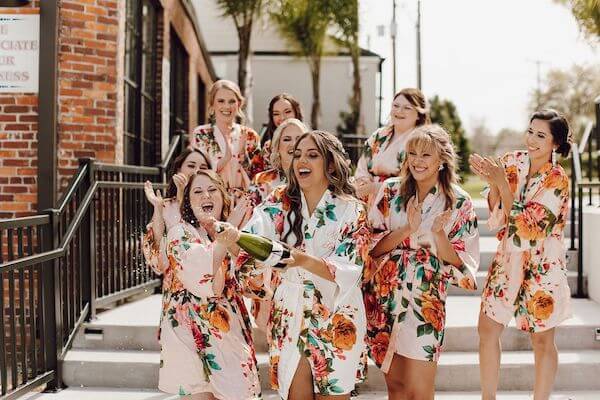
427,239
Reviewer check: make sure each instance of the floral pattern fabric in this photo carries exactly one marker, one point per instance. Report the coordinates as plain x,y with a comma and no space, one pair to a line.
246,158
382,157
405,291
205,337
312,317
528,276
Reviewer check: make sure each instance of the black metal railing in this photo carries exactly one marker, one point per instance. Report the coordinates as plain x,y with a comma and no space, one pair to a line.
585,182
59,267
354,145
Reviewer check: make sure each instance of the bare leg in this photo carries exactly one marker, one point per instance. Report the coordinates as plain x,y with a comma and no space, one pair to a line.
302,383
489,355
409,379
546,363
331,397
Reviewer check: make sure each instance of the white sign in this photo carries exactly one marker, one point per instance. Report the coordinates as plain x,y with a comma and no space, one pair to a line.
19,53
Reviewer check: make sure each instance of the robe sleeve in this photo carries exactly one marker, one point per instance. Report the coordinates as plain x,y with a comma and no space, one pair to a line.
351,252
534,220
253,277
155,251
362,167
194,261
464,238
254,154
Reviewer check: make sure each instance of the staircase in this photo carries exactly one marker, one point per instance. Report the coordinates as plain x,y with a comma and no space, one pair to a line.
118,352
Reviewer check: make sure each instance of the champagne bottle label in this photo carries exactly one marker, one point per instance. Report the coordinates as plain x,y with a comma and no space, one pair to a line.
278,253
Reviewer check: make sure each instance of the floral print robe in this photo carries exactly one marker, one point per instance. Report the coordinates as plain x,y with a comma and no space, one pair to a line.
405,292
382,157
246,158
528,277
321,320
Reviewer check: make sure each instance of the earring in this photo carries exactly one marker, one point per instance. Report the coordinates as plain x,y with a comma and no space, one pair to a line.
553,157
441,167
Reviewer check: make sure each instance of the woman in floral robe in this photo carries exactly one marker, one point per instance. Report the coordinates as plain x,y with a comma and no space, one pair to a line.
205,333
317,323
233,149
265,182
528,197
383,152
428,240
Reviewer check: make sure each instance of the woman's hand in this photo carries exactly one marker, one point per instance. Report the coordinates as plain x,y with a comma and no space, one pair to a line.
228,235
440,221
479,167
155,199
413,214
180,180
243,206
226,157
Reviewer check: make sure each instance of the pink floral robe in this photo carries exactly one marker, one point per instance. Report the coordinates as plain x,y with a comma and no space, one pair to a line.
528,277
405,292
246,159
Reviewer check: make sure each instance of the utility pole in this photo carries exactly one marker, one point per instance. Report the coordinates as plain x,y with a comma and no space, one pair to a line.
538,91
419,44
393,32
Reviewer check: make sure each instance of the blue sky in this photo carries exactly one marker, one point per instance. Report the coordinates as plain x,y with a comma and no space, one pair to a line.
480,54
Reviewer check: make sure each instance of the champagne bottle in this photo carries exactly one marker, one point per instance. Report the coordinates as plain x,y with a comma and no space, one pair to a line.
267,251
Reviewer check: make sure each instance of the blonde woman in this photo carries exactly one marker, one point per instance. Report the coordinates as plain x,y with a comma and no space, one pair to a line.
428,239
528,198
317,323
233,149
384,151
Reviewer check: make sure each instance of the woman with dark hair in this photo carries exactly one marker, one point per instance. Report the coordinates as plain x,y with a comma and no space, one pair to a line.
166,210
427,239
317,322
528,198
383,152
233,149
281,107
205,335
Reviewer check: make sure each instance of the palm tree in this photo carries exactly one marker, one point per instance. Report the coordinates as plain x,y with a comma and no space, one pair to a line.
243,13
304,23
345,19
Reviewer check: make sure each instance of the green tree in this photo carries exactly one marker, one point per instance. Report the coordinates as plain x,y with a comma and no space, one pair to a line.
443,112
243,13
304,23
571,92
346,22
587,14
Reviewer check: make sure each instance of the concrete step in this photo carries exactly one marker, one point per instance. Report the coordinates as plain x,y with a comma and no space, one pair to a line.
133,394
481,276
111,368
459,371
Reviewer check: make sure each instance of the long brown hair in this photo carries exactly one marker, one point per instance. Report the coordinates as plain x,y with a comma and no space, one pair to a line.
432,137
186,208
337,171
268,135
418,100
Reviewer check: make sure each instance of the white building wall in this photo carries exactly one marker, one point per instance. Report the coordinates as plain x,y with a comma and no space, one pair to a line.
591,250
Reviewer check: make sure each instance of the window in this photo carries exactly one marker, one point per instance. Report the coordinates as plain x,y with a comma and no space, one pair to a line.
179,87
141,136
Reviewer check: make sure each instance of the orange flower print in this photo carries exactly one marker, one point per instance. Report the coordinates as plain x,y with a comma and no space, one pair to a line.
528,223
273,372
320,310
541,306
219,318
556,180
344,332
386,279
379,346
467,283
319,363
376,318
433,311
511,176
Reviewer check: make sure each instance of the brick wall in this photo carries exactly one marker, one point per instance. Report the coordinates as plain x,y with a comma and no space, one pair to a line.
87,83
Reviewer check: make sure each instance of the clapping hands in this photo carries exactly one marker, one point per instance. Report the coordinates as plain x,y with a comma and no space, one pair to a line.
155,199
488,169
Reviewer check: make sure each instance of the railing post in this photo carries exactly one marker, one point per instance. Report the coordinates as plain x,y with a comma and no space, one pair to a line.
574,154
580,291
51,305
88,260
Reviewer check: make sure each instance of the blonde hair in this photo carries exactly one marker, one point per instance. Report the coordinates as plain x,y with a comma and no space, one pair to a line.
275,156
432,137
229,85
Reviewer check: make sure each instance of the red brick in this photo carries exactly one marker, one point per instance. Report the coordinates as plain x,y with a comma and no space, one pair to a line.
16,109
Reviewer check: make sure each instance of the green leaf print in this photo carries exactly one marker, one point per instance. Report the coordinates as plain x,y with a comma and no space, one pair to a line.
428,329
419,316
404,302
517,241
214,365
424,286
420,330
429,349
402,316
